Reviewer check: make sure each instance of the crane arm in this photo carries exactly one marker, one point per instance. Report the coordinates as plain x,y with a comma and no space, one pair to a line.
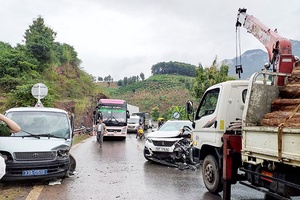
273,42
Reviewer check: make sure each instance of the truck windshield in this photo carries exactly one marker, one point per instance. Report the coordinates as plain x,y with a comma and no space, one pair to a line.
133,120
51,124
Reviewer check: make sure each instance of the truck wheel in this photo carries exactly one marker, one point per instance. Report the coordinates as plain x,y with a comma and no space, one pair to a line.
212,175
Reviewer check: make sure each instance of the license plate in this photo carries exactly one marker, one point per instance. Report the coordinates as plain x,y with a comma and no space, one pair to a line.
164,149
36,172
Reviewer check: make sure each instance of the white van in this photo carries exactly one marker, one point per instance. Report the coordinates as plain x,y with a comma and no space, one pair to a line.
133,123
41,149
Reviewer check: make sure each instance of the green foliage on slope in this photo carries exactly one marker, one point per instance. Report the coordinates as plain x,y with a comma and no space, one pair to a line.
158,91
42,60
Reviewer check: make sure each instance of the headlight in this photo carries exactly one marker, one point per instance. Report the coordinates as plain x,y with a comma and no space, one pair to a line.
63,152
149,140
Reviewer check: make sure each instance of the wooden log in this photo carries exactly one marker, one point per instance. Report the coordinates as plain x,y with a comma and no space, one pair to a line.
290,91
284,107
277,121
285,104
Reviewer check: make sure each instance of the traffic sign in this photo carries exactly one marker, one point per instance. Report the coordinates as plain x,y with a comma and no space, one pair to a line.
39,91
176,115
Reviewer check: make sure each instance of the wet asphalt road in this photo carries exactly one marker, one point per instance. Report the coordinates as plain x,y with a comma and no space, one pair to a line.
119,170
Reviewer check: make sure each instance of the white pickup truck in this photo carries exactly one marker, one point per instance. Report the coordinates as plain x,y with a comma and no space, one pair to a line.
41,149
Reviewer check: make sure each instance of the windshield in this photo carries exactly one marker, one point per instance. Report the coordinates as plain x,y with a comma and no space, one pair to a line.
39,123
174,125
133,120
113,114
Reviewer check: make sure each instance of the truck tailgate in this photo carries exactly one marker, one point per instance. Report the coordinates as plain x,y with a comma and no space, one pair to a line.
262,142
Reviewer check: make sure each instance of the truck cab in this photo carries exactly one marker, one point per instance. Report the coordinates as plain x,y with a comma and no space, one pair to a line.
221,106
41,149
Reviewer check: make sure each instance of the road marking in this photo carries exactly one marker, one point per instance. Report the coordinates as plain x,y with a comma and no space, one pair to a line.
35,192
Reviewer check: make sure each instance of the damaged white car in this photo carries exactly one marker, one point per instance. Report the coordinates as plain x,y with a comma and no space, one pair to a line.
171,144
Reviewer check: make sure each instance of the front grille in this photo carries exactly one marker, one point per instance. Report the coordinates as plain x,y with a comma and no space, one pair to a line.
163,143
113,130
35,156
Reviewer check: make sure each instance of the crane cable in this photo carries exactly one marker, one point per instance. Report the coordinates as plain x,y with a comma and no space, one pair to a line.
238,55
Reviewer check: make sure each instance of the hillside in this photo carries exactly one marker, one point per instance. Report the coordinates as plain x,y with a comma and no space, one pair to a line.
163,91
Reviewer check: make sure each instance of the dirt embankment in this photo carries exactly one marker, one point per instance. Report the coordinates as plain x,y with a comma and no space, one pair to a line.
83,118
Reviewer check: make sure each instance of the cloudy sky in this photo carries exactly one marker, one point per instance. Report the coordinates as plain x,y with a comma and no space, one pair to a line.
123,38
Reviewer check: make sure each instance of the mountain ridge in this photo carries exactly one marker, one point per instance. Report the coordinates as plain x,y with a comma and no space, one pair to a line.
253,60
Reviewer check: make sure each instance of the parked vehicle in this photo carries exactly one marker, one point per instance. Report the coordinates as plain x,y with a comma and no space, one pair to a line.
133,123
171,144
145,116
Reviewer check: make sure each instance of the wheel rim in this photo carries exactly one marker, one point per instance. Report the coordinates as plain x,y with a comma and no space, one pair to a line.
209,175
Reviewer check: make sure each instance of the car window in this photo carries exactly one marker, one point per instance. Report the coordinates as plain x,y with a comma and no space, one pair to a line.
174,126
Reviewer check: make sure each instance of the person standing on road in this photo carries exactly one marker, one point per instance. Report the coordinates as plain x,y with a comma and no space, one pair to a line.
101,129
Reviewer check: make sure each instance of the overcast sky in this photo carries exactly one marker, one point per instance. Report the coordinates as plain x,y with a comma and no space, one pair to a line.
126,37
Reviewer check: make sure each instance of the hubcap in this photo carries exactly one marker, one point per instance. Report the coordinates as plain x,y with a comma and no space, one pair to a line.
209,173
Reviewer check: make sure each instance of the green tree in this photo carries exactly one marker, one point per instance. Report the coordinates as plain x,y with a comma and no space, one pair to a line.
39,40
174,68
173,109
207,77
16,67
155,113
142,75
120,83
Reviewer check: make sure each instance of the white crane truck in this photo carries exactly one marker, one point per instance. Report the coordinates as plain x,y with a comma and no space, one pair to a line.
232,140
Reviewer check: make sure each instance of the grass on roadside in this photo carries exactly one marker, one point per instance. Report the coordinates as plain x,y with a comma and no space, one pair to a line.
79,138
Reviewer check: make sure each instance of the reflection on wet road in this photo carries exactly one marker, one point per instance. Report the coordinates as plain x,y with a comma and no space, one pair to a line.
119,170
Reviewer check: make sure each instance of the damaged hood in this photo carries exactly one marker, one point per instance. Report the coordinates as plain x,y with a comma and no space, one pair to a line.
163,134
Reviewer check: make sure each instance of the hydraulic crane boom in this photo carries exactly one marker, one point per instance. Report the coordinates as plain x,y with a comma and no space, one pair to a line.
279,48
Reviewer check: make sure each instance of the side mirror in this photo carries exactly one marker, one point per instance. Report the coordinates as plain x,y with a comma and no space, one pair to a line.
72,124
189,107
190,112
127,114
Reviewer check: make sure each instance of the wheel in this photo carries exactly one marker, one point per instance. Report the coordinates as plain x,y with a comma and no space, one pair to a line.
72,166
212,176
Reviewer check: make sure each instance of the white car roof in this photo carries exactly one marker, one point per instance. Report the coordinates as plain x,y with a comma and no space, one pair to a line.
45,109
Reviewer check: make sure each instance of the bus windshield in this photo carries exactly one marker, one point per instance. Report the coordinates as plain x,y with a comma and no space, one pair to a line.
113,113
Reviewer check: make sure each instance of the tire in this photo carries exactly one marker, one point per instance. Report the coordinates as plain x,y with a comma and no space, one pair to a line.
72,166
212,176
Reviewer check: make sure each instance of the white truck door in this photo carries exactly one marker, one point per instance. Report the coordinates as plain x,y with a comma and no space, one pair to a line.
205,118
